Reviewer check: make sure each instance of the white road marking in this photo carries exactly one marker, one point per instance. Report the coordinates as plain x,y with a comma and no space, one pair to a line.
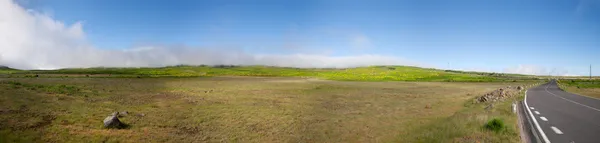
556,130
571,100
536,112
531,108
535,121
544,118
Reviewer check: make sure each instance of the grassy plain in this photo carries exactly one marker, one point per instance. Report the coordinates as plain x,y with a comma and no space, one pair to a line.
253,104
246,109
373,73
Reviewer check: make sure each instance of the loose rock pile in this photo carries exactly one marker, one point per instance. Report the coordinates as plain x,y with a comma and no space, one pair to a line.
500,94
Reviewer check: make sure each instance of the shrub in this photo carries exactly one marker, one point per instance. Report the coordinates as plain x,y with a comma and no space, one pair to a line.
495,125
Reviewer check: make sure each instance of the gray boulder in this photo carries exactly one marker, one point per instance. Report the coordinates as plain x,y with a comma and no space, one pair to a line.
112,122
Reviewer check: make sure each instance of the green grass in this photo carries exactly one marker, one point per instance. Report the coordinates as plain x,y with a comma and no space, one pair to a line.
496,125
372,73
581,86
54,88
581,83
472,124
8,71
248,109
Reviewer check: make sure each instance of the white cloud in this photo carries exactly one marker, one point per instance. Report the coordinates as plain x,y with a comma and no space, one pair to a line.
570,75
33,40
538,70
527,69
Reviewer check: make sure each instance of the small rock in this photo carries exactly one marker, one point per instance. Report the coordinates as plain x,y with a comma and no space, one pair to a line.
141,115
489,107
112,122
124,113
427,106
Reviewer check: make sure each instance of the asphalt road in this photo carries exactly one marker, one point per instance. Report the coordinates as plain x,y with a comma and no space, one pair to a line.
564,117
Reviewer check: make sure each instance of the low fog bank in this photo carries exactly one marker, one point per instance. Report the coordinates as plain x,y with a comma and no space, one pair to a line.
32,40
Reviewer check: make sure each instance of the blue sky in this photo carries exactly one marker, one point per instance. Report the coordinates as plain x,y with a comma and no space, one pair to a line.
523,36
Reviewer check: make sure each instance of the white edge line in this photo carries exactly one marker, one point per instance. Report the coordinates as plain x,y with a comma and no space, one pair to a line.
535,121
556,130
569,100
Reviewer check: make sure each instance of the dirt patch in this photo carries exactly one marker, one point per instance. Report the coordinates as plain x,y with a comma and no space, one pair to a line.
24,119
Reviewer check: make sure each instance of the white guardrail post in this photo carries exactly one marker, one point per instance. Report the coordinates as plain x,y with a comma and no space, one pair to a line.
514,107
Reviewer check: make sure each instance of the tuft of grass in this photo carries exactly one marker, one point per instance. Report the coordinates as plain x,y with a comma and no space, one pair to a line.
495,125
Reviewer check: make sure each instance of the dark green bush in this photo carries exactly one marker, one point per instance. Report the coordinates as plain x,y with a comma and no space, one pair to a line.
495,125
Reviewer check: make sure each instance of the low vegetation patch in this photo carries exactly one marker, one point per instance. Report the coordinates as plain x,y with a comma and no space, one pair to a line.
496,125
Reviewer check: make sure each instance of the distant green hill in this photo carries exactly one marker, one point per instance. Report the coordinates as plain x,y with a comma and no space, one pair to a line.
4,67
371,73
6,70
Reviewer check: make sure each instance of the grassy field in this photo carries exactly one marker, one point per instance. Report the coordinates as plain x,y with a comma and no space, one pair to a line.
373,73
582,86
249,109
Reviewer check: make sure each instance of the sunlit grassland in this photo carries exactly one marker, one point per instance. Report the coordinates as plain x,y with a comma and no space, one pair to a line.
372,73
247,109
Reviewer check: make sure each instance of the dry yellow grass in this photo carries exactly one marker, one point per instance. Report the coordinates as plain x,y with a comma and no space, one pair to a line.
236,109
